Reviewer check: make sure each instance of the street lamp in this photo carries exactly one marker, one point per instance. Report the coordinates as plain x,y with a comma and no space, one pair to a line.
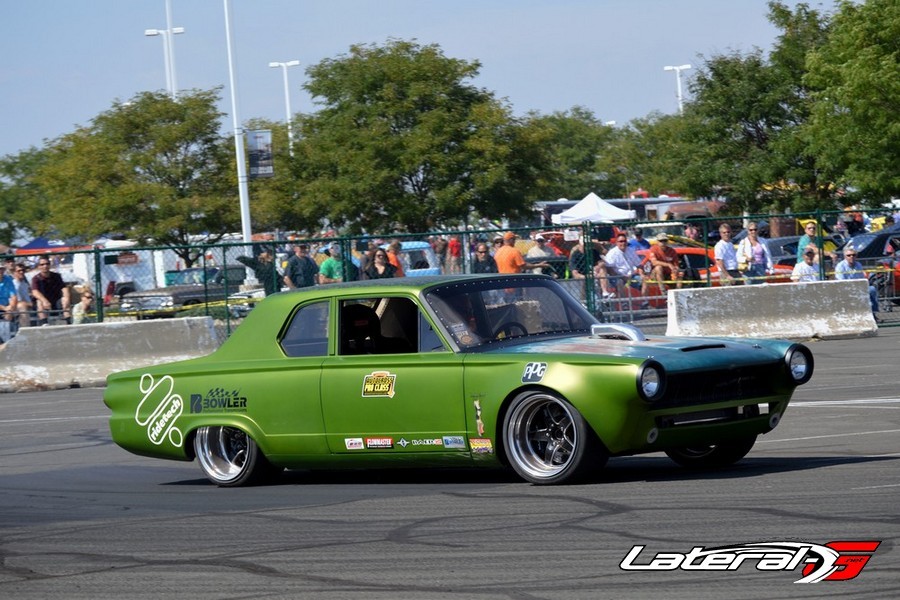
287,98
168,55
678,71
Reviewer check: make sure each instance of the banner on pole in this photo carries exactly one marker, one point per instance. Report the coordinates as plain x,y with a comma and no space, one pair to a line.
259,145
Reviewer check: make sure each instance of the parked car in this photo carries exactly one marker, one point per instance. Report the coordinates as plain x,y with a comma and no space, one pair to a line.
699,265
418,259
478,371
189,287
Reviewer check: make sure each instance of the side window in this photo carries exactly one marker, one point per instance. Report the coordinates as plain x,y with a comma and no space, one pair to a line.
307,335
429,340
385,325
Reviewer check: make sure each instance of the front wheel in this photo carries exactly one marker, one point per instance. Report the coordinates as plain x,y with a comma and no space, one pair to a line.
547,441
711,456
230,458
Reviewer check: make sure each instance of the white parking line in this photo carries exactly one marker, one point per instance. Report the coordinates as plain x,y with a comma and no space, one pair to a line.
845,402
834,435
876,487
48,419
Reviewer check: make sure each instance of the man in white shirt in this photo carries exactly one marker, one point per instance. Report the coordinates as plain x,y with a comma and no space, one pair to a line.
624,263
806,270
726,257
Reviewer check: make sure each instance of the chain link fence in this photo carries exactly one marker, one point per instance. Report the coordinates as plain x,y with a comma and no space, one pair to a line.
121,281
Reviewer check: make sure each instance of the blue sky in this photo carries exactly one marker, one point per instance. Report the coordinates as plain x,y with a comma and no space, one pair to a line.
66,61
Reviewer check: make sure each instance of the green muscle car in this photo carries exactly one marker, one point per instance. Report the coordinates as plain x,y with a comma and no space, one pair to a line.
481,371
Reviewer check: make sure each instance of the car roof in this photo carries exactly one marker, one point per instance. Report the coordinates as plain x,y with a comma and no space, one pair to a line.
410,245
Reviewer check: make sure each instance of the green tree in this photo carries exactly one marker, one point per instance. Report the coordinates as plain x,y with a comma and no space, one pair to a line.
573,141
152,168
855,123
649,153
22,203
745,121
403,142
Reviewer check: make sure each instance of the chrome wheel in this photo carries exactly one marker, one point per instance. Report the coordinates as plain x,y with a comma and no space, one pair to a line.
229,457
547,441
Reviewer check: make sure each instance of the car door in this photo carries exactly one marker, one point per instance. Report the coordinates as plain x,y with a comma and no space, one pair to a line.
381,394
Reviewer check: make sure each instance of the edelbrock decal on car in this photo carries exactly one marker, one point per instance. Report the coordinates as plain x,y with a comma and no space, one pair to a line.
159,409
354,443
379,384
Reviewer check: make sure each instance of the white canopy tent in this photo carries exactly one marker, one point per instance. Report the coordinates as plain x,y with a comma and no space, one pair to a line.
593,208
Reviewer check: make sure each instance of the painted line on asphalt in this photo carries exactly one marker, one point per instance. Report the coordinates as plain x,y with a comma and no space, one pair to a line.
876,487
845,402
49,419
834,435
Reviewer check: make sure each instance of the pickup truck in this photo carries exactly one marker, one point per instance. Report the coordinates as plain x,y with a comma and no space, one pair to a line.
191,286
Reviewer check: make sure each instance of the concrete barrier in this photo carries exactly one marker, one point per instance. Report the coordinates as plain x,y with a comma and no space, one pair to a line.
821,309
66,356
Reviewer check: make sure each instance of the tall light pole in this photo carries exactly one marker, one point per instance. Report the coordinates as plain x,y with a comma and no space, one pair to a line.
678,71
287,99
243,191
168,55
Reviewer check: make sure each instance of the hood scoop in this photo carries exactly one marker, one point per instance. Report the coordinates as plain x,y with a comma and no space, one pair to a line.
619,331
703,347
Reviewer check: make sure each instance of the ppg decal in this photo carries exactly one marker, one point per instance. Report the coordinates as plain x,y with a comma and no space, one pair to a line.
534,372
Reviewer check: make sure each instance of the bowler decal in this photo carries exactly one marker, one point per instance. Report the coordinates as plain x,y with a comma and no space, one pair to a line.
378,384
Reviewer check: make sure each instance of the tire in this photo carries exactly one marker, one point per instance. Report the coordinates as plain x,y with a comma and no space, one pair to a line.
547,441
230,458
712,456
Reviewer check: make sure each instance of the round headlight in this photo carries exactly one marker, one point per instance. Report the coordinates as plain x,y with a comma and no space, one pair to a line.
651,381
799,361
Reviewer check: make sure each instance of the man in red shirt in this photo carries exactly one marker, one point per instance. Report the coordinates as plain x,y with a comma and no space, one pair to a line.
454,254
664,260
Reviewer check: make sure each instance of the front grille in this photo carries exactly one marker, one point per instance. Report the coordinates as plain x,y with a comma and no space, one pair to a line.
738,383
709,417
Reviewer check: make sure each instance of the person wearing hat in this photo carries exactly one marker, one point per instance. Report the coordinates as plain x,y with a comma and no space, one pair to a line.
510,260
332,270
665,262
806,270
263,268
302,270
639,243
496,244
540,252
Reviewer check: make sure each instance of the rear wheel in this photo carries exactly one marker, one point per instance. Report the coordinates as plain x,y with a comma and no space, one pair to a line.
230,458
711,456
547,441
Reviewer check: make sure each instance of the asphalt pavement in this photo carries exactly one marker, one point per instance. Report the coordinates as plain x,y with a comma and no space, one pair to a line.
81,518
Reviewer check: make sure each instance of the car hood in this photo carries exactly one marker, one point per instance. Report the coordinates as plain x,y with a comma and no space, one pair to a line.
676,353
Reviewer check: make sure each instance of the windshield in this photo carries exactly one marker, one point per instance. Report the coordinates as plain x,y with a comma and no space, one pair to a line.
188,277
480,312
